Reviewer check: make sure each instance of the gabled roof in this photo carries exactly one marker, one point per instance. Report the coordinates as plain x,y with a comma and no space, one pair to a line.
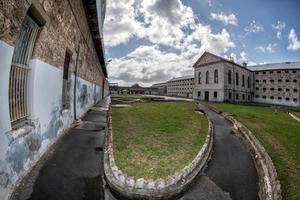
218,58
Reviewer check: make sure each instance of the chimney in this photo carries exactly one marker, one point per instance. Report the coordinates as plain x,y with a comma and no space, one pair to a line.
244,64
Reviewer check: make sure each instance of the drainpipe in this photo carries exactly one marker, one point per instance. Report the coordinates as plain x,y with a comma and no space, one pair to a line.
75,80
103,82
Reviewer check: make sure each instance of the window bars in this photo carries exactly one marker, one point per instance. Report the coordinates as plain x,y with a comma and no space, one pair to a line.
20,70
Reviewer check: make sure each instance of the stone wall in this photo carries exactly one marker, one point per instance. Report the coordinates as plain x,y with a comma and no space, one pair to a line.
63,28
66,27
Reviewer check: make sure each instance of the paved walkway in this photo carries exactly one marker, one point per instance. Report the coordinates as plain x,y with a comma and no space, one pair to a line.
74,169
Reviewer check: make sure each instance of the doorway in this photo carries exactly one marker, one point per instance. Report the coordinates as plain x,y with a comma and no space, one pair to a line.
206,96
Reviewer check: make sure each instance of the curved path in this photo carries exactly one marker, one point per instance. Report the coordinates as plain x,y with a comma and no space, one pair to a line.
231,172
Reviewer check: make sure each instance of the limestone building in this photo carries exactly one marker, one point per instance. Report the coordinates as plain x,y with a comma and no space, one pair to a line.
219,79
52,70
181,86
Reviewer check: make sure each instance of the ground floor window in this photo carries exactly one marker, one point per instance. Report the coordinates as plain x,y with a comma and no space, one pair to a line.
215,95
243,96
237,96
199,93
230,95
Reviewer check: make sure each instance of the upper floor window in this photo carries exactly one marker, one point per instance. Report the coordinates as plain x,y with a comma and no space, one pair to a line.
199,78
229,77
236,78
248,82
216,76
207,77
243,80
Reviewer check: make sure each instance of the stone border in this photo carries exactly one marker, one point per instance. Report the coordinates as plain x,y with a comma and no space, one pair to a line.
132,188
269,184
294,117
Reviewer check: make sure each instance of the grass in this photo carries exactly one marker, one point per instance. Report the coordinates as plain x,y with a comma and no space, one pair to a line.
279,134
154,140
130,96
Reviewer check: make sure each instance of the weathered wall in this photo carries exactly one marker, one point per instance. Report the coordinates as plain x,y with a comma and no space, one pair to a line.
66,28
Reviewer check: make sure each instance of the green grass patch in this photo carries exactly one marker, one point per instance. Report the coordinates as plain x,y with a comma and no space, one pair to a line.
157,139
279,134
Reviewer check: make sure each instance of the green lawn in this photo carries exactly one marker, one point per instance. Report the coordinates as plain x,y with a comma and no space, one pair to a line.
279,134
154,140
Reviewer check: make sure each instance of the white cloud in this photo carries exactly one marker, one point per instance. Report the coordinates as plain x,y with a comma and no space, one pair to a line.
254,27
209,3
269,48
244,59
279,27
279,34
175,40
294,42
225,19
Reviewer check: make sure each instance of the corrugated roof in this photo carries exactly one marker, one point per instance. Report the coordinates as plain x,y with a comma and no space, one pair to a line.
275,66
182,78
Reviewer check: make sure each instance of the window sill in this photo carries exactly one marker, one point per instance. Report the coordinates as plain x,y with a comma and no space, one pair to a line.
21,132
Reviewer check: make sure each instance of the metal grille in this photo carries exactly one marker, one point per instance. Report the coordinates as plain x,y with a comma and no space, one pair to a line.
20,69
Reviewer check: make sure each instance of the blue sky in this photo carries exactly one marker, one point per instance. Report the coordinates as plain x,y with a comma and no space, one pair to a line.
155,40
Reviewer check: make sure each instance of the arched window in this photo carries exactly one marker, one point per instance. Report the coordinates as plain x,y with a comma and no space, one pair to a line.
248,82
236,78
199,78
229,77
216,76
207,77
243,80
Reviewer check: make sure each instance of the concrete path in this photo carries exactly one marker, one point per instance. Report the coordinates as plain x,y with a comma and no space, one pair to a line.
74,169
232,167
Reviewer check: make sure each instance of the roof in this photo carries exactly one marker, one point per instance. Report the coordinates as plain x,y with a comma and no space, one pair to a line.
182,78
91,10
275,66
219,57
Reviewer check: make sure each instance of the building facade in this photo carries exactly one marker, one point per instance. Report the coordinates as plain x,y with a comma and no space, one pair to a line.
218,79
52,71
181,86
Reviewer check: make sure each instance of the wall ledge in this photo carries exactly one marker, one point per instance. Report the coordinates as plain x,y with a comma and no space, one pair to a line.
133,188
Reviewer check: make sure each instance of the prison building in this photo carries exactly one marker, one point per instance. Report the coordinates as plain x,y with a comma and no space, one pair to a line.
219,79
53,70
181,86
277,83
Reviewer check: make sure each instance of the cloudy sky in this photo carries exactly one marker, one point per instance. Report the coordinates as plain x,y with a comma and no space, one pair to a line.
153,41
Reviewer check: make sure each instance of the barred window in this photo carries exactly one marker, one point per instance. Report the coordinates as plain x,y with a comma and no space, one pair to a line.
20,71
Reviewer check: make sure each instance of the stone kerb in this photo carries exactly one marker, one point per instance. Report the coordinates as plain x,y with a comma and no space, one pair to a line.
132,188
269,186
